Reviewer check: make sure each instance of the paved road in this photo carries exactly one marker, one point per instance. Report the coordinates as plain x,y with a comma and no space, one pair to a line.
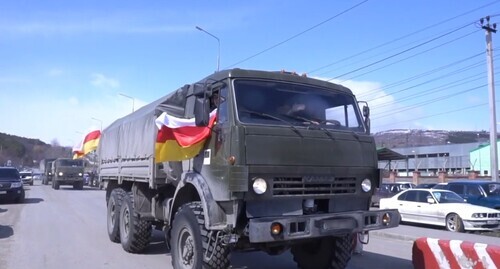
67,229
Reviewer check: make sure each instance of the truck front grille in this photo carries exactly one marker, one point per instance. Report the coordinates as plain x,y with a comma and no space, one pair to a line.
313,185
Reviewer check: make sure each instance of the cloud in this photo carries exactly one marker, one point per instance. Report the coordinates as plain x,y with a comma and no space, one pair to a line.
103,82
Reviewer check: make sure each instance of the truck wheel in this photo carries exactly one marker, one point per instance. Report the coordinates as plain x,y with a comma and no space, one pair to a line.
56,185
113,216
189,241
135,233
323,253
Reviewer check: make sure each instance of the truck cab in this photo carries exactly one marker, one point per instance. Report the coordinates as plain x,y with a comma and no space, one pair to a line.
67,171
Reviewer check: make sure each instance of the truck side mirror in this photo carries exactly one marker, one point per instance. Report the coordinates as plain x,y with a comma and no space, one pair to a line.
366,112
201,111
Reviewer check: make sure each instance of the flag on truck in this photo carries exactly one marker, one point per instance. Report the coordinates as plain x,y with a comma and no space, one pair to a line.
87,144
180,139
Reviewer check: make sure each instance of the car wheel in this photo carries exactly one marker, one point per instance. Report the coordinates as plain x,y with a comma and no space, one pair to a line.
454,223
20,199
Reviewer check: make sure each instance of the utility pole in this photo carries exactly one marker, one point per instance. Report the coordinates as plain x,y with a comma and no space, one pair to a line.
491,28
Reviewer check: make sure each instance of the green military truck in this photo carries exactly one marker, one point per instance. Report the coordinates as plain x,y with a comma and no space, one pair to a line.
67,171
289,164
46,169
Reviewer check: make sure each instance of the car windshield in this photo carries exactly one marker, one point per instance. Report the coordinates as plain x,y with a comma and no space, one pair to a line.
299,105
444,197
8,174
492,188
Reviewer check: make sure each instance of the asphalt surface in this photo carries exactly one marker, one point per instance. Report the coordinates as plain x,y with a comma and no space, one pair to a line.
67,229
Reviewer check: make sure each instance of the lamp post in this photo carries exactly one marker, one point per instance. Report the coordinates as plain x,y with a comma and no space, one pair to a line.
218,42
100,122
130,97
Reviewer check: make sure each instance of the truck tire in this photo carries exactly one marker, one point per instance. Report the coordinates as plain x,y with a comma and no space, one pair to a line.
135,234
323,253
189,241
113,215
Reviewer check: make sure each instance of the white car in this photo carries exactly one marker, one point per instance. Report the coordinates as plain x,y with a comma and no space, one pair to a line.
443,208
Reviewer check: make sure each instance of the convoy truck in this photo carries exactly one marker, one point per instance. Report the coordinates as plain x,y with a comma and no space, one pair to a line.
288,164
46,169
67,171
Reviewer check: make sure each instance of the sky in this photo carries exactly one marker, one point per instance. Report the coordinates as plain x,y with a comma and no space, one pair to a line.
67,67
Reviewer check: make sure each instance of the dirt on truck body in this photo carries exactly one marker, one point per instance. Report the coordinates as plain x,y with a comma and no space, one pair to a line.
244,160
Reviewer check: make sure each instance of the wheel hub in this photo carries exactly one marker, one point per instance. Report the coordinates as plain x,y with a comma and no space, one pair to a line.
186,247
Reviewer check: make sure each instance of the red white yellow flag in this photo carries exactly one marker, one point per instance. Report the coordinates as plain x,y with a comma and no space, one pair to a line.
88,144
180,139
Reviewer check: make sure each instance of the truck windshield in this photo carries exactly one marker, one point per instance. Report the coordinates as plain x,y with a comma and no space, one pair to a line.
296,103
72,163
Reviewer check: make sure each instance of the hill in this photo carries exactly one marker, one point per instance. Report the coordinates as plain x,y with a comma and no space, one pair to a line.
413,138
27,152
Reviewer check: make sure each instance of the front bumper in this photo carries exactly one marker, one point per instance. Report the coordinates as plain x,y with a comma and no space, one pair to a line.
482,225
11,194
27,181
311,226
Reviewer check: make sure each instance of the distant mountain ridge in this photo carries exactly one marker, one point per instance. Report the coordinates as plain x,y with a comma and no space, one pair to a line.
400,138
27,152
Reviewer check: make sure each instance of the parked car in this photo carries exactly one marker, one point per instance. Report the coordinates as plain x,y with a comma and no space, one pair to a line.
27,177
11,186
476,192
387,190
426,185
442,208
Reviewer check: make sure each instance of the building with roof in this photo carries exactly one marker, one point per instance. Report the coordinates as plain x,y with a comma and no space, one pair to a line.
429,160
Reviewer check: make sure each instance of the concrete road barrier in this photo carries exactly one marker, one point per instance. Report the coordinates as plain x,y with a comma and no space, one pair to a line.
430,253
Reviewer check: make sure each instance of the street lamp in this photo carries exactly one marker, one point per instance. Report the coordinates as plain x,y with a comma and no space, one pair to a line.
130,97
100,121
218,41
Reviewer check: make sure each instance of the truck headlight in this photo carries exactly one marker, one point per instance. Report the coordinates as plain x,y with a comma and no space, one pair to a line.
366,185
60,174
80,174
259,185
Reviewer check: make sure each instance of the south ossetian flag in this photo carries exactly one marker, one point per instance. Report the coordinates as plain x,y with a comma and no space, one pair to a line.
88,144
180,139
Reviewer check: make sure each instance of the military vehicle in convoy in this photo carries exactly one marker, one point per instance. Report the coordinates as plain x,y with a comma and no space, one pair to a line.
46,169
288,164
67,171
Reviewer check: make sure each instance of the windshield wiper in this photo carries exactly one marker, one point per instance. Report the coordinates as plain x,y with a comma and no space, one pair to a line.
275,118
313,125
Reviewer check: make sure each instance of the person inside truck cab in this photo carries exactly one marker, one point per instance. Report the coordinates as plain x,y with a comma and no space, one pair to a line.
214,101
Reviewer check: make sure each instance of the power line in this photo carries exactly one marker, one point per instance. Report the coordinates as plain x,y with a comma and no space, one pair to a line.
438,114
434,90
402,37
415,77
432,80
414,55
299,34
431,101
399,53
